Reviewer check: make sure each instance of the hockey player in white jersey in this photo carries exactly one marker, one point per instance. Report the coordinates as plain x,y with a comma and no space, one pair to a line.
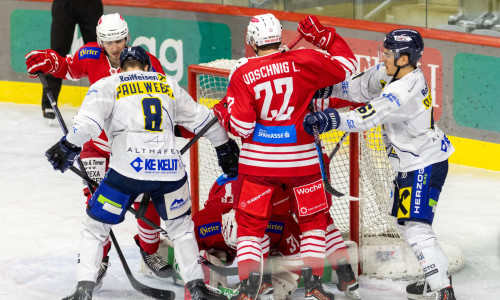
398,98
139,109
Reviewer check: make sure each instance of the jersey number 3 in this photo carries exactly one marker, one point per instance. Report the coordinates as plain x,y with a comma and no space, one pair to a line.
153,115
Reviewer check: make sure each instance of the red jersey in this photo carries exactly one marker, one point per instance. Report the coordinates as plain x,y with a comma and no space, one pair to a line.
91,61
268,99
282,229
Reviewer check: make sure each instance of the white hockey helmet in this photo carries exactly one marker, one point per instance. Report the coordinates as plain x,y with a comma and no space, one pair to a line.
264,29
112,27
229,228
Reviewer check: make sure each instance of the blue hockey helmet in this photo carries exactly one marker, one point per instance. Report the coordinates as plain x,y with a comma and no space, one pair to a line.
135,53
405,41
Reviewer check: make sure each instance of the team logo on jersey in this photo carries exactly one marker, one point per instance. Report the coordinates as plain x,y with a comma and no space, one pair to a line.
275,227
155,164
274,134
209,229
445,143
90,52
136,164
178,203
420,190
404,203
136,77
392,98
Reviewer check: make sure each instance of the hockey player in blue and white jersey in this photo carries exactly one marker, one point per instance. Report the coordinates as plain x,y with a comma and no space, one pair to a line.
398,98
139,109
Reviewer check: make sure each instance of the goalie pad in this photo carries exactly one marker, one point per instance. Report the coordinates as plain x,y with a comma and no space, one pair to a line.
211,277
284,283
229,229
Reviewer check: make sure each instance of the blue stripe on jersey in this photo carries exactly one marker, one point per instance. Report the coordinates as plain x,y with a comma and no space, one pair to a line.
95,122
223,179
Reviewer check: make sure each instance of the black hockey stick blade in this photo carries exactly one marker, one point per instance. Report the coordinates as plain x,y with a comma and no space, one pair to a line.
328,187
224,271
331,190
143,289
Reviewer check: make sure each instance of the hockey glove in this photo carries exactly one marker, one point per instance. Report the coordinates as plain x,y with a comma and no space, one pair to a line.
323,93
324,120
315,33
45,61
62,155
221,112
228,155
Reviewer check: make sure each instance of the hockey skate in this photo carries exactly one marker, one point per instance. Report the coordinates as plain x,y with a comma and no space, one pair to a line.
314,287
49,113
347,280
420,290
266,287
156,265
103,270
83,291
444,294
199,291
248,288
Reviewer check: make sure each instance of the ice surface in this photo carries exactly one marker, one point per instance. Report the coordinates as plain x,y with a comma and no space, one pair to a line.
42,210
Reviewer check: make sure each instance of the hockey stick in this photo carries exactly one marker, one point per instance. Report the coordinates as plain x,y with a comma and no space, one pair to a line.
146,290
198,135
224,271
214,119
319,148
339,144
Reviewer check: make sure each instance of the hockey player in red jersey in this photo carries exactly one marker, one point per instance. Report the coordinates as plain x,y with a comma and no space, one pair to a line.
267,100
97,60
215,230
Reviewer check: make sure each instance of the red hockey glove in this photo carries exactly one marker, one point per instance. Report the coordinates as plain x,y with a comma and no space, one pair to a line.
220,111
315,33
45,61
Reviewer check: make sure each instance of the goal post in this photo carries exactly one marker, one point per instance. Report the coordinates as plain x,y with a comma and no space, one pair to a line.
359,169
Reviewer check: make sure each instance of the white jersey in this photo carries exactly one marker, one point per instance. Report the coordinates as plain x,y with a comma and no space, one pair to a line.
403,108
139,110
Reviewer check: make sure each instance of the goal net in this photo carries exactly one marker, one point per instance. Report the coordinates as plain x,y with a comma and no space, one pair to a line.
360,169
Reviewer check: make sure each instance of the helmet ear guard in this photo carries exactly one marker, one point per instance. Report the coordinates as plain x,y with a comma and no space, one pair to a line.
112,27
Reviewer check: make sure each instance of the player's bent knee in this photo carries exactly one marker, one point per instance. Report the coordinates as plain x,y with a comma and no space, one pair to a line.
419,235
180,228
95,229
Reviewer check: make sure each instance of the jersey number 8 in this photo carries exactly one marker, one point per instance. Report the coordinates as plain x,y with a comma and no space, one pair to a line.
153,115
